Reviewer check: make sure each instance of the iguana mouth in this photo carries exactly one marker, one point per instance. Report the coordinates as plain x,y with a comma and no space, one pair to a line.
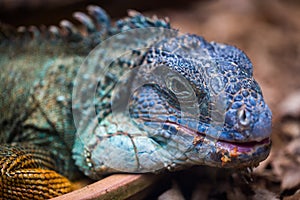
232,154
241,147
244,147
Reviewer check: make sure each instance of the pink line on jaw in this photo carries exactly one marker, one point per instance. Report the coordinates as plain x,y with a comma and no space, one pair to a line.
240,147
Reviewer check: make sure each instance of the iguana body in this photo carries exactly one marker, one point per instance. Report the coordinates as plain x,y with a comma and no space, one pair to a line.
162,126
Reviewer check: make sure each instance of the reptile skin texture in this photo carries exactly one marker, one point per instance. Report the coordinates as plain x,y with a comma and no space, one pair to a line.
169,102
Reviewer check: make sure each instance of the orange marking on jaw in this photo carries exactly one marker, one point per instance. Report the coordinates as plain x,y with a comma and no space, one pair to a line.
225,158
197,140
234,152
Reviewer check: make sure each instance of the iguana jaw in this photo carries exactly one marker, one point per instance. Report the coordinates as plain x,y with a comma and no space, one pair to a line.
231,154
222,153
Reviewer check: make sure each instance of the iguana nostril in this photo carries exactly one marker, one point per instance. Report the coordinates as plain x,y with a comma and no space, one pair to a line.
243,117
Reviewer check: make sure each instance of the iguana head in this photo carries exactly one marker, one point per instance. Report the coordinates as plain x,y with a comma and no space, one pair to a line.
201,100
172,102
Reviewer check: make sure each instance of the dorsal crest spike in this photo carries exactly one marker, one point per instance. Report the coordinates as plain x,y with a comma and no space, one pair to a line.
69,26
86,21
133,13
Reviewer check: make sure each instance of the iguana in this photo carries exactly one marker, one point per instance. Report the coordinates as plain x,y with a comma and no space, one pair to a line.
134,96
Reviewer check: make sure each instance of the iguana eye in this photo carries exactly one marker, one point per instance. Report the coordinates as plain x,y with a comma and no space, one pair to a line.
180,87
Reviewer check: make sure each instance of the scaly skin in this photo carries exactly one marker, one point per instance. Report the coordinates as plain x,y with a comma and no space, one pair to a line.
187,102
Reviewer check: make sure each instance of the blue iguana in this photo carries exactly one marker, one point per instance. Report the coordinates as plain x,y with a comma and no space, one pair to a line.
133,96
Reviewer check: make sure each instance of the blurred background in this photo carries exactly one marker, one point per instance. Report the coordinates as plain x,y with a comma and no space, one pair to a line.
267,30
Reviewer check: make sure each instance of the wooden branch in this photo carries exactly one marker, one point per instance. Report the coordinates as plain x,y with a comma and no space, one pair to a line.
118,186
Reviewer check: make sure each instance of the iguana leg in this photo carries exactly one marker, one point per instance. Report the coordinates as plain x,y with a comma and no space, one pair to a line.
26,173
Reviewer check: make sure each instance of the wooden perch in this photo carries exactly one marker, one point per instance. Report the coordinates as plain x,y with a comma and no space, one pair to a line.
118,186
